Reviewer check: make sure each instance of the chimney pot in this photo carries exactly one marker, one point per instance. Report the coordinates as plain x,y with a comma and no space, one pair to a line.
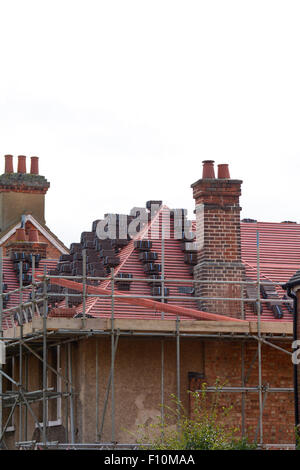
208,169
223,171
21,164
20,235
34,168
9,168
33,235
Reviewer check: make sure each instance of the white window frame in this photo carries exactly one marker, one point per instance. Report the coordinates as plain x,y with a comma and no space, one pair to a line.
58,421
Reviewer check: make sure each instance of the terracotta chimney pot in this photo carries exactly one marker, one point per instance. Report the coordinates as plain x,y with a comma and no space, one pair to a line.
21,164
20,235
33,235
9,168
34,168
223,171
208,169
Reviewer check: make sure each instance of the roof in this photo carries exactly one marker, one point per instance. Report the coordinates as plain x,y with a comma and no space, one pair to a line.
279,246
294,281
279,259
175,268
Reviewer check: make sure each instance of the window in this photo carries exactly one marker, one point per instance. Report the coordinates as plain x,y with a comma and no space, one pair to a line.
53,386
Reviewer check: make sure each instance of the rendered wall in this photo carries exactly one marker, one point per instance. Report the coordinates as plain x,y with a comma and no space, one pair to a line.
14,204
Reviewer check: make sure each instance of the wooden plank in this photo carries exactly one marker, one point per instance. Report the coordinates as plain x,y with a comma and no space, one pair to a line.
27,328
272,327
215,327
54,324
142,325
194,326
12,333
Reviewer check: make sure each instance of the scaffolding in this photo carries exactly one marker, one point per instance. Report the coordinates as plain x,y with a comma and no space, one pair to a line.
39,343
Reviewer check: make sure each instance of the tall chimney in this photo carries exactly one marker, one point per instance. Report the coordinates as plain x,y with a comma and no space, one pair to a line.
21,164
34,168
9,167
218,242
21,192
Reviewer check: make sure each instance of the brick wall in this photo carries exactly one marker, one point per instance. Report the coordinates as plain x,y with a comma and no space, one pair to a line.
223,361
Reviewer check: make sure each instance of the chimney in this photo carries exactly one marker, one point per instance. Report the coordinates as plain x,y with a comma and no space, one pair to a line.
9,167
21,164
34,168
21,192
218,239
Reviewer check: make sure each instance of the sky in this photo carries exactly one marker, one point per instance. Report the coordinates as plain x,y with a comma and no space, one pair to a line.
122,100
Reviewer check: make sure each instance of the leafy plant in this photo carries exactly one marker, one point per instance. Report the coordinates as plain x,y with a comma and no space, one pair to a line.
206,430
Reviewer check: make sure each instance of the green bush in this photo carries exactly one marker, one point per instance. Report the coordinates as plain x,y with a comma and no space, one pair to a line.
205,431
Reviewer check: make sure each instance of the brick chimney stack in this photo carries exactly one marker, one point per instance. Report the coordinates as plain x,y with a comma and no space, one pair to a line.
21,192
218,239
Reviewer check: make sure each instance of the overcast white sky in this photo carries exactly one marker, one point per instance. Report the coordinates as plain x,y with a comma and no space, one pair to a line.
122,100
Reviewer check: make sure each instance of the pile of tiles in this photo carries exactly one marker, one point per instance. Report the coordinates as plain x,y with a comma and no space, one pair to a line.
22,263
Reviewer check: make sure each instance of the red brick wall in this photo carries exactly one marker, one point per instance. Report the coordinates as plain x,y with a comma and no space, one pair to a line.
223,361
219,243
218,219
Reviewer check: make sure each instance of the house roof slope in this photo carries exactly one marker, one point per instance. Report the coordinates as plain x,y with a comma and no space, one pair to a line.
175,268
279,257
